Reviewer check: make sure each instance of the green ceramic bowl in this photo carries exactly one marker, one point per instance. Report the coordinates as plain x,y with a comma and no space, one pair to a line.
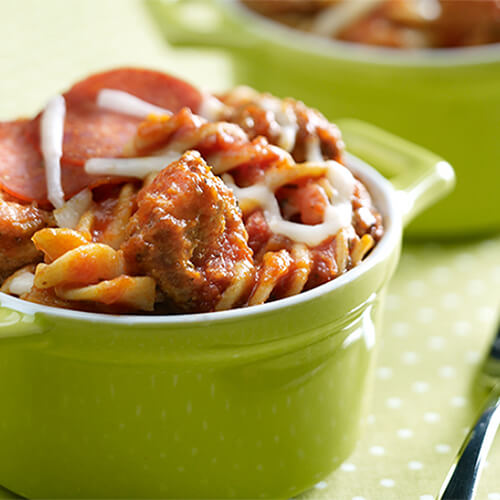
256,402
447,100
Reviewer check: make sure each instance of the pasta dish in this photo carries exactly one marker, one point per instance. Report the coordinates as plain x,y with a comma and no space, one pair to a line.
134,192
391,23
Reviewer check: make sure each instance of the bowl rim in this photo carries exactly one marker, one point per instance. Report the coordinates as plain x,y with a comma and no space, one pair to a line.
385,56
386,199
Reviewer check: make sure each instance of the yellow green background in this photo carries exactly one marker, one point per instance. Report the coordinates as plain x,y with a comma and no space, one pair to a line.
442,305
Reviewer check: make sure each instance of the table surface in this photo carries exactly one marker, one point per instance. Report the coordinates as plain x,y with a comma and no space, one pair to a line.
442,304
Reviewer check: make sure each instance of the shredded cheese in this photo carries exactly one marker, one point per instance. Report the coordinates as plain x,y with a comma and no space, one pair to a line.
331,21
313,149
282,111
130,167
430,10
70,213
21,283
211,108
337,215
52,134
123,102
286,119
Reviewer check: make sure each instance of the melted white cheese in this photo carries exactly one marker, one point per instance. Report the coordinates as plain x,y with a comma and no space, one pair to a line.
337,215
130,167
21,283
283,112
70,213
331,21
123,102
429,10
286,119
52,134
313,149
211,108
240,94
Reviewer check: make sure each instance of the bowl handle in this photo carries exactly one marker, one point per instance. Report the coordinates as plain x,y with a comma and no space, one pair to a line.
200,23
15,324
420,177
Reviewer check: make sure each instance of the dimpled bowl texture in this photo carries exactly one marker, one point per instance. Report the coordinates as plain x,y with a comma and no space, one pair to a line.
256,402
446,100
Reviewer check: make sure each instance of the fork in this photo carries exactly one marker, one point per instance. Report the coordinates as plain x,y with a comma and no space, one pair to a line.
463,477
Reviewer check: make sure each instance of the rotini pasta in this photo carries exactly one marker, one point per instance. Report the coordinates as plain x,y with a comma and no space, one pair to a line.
137,292
84,264
248,204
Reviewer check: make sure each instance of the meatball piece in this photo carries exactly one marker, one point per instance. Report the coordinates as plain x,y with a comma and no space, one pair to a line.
18,223
188,235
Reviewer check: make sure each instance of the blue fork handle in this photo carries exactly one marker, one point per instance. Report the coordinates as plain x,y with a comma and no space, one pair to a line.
462,480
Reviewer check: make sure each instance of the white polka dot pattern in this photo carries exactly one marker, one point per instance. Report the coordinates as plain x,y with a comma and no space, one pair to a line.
387,483
443,448
377,450
348,467
439,318
405,433
440,308
414,465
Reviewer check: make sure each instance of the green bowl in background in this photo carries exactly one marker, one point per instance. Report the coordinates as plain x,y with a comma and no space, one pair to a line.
447,100
256,402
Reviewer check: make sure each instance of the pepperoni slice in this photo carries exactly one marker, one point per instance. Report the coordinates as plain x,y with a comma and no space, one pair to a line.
22,174
157,88
74,179
93,132
89,131
21,166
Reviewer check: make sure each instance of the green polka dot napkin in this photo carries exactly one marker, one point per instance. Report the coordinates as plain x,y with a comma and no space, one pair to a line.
442,304
440,316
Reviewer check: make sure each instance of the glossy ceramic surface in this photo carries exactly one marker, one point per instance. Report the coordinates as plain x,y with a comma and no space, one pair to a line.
446,100
261,401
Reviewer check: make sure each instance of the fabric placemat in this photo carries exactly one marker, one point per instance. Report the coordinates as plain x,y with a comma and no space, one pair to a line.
441,313
441,307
